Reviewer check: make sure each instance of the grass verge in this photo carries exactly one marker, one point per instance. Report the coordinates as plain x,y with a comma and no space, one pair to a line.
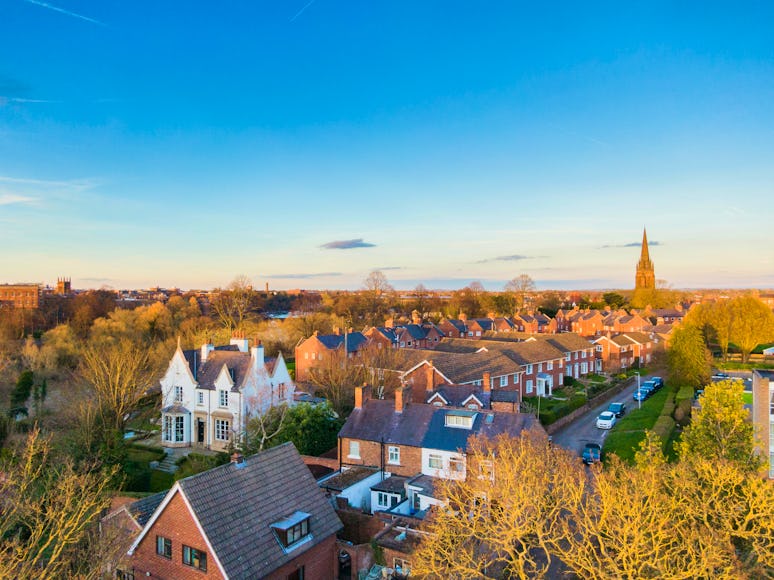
625,437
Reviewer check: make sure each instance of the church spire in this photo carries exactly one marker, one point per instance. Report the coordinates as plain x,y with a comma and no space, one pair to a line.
646,276
644,254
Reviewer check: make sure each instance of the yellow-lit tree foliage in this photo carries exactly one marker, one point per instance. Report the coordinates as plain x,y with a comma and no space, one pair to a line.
501,521
48,511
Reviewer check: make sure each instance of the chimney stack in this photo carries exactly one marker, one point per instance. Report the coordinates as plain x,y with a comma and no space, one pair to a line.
402,398
336,330
207,348
257,355
487,382
362,394
463,317
416,318
430,377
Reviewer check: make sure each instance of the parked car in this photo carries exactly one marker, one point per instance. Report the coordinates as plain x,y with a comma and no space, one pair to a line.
640,395
592,453
658,381
649,387
618,409
606,420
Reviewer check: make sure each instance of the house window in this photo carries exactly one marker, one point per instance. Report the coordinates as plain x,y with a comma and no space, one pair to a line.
550,365
568,356
174,428
504,381
178,394
200,398
459,421
223,398
281,390
386,500
293,530
599,348
576,355
298,574
314,356
584,368
164,547
354,449
457,465
435,461
529,386
529,369
306,355
179,429
194,558
540,367
486,470
319,356
401,566
583,354
394,454
222,427
516,379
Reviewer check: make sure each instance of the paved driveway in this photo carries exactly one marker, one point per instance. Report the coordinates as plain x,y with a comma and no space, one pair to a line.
583,430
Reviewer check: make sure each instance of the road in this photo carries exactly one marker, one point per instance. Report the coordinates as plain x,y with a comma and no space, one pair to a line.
584,430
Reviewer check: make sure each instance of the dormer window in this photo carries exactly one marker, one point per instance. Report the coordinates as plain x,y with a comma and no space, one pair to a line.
293,531
460,420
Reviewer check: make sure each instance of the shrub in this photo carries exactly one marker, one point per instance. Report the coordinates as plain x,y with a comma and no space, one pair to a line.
682,413
685,393
664,427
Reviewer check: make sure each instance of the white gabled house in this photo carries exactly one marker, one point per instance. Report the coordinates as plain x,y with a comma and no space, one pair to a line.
209,394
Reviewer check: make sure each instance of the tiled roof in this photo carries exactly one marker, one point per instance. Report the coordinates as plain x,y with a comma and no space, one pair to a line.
640,337
393,484
568,342
237,506
457,394
523,353
622,340
142,509
333,341
238,364
424,426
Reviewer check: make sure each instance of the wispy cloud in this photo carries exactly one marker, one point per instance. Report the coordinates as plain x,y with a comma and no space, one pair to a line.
12,198
347,244
305,276
387,268
300,12
5,100
510,258
67,12
630,245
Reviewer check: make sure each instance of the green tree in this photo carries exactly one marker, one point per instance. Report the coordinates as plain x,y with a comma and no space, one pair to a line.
614,299
688,357
720,427
313,429
23,389
752,323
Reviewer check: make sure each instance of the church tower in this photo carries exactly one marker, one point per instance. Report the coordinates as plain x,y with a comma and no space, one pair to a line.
646,276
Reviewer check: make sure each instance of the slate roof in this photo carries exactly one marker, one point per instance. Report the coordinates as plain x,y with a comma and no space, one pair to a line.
455,395
236,508
142,509
523,353
424,426
355,340
392,484
238,364
568,342
458,324
504,396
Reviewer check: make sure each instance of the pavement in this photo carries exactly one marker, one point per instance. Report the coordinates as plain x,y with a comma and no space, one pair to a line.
575,435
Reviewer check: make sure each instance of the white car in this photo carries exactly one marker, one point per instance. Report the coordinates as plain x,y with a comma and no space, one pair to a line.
606,420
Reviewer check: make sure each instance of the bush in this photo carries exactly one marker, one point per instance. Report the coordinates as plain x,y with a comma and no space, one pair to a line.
570,381
685,393
669,405
137,476
664,427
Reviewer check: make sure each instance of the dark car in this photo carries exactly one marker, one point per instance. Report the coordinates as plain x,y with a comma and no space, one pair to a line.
618,409
592,453
649,387
658,381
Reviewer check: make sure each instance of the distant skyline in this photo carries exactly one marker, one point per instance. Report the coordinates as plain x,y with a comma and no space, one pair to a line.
305,144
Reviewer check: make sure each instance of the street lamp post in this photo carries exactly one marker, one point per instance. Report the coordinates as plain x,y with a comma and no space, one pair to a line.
639,397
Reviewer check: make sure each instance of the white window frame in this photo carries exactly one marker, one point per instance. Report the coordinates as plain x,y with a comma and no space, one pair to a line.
178,394
222,398
529,386
393,455
354,450
504,381
200,398
435,461
550,365
529,369
222,429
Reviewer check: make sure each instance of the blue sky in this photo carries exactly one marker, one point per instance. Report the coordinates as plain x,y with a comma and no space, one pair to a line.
305,144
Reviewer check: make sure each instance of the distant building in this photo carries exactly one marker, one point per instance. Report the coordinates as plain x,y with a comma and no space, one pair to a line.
20,295
63,286
646,275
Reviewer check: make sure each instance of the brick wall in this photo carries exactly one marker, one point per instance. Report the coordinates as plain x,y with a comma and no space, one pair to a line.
370,453
319,562
177,524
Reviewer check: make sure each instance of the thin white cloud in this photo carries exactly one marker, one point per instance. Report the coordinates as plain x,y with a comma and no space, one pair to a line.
67,12
13,198
300,12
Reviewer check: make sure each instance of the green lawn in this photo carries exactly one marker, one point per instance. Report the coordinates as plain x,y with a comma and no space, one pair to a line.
625,437
142,455
747,398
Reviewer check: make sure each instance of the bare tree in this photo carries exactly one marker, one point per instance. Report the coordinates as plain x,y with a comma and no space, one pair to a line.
49,512
520,287
120,375
233,304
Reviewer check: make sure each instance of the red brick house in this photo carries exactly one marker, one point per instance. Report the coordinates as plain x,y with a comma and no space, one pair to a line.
453,328
259,517
622,351
311,351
